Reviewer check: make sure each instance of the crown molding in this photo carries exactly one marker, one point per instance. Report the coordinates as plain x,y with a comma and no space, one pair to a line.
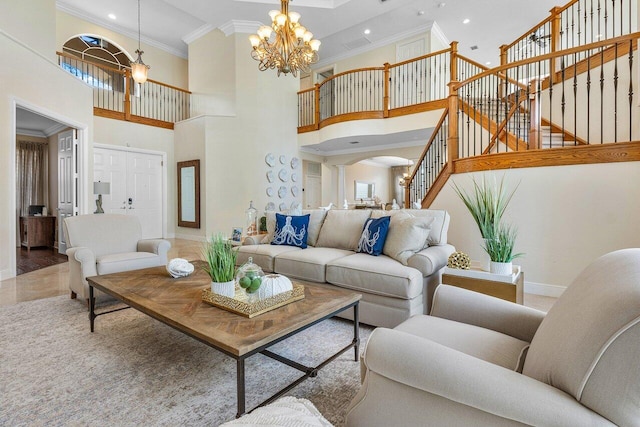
238,26
375,45
182,53
30,132
436,32
195,35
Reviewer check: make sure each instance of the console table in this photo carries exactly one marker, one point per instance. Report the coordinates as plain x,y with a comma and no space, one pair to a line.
510,288
37,231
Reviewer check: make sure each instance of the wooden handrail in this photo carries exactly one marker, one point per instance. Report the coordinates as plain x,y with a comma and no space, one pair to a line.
552,55
472,62
528,33
357,70
420,58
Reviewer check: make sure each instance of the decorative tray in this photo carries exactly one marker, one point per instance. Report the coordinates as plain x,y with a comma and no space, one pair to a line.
243,304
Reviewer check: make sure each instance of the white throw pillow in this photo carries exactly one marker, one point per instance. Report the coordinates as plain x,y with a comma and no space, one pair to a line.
407,235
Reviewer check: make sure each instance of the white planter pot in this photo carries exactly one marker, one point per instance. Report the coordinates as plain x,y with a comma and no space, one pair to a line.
227,289
502,268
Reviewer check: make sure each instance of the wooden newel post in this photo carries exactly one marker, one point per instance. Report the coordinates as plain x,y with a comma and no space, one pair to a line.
535,122
556,24
407,194
385,100
454,62
127,94
452,140
316,119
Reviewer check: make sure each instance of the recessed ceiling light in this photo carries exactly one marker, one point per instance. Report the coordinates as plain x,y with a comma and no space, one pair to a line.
466,21
420,12
367,31
488,63
112,15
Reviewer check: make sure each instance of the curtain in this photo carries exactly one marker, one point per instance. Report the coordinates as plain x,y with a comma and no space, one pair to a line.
32,175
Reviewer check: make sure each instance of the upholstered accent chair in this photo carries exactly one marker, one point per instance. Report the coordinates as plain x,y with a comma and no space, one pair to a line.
108,243
479,361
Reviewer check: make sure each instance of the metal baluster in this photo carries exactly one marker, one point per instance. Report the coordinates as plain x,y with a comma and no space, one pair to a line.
630,90
601,96
615,94
589,97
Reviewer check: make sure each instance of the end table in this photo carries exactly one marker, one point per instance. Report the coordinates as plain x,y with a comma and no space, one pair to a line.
509,287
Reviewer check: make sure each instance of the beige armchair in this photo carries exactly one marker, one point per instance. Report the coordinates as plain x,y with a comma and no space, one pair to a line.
470,361
108,243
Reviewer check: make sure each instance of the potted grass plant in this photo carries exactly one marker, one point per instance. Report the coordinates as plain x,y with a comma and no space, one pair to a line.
220,265
487,203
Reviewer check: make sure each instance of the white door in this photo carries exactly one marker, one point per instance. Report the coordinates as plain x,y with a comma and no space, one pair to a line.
312,196
67,182
135,179
144,192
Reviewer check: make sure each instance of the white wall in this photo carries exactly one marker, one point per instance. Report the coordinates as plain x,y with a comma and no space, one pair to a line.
127,134
566,217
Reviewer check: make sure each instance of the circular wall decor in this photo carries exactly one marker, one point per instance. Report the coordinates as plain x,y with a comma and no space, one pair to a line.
282,207
294,191
283,175
270,207
282,192
270,159
270,176
295,162
269,191
283,159
294,177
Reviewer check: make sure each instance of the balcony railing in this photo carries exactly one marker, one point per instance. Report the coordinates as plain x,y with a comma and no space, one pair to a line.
116,95
419,84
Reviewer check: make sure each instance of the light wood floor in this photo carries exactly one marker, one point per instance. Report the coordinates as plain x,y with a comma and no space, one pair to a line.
53,281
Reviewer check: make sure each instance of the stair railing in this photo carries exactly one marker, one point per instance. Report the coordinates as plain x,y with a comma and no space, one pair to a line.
515,107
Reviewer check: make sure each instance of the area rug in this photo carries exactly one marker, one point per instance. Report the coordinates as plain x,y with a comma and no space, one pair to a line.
135,371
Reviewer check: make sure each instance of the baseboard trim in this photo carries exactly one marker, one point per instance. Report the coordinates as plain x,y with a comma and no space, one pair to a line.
543,289
190,237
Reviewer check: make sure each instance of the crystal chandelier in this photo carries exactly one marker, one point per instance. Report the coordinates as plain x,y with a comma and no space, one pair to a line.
139,69
293,47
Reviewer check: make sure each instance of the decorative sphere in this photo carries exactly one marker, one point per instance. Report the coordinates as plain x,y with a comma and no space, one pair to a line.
459,260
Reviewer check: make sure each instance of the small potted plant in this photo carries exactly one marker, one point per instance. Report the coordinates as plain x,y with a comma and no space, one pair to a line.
220,265
500,249
487,203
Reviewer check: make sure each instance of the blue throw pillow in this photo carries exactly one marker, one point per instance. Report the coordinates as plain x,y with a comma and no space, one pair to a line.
373,235
291,230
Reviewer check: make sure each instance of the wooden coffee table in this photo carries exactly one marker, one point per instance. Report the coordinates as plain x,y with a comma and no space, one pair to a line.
178,303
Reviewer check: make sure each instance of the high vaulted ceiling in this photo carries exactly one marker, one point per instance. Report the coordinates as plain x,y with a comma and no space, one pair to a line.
339,24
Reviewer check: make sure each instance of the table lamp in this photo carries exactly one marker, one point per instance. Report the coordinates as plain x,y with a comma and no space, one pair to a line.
100,188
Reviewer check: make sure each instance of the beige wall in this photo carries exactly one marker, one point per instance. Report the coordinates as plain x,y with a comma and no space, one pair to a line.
566,217
234,146
376,57
55,93
165,67
378,175
38,34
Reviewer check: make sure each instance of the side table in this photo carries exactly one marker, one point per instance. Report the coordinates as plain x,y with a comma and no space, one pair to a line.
510,288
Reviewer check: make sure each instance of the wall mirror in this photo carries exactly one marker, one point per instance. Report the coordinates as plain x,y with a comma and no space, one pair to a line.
364,190
189,194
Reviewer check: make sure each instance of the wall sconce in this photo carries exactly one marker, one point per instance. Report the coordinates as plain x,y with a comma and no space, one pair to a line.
100,188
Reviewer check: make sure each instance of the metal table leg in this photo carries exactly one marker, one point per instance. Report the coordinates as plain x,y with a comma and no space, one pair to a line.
240,387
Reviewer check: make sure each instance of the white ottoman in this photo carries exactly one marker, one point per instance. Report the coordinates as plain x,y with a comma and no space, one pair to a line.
287,411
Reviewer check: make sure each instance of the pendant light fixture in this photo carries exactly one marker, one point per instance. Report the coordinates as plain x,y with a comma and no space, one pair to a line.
139,69
291,48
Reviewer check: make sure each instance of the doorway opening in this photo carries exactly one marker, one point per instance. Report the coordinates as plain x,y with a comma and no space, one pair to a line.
47,177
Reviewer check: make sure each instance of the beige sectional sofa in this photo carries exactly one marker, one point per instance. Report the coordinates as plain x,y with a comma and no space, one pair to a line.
394,285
